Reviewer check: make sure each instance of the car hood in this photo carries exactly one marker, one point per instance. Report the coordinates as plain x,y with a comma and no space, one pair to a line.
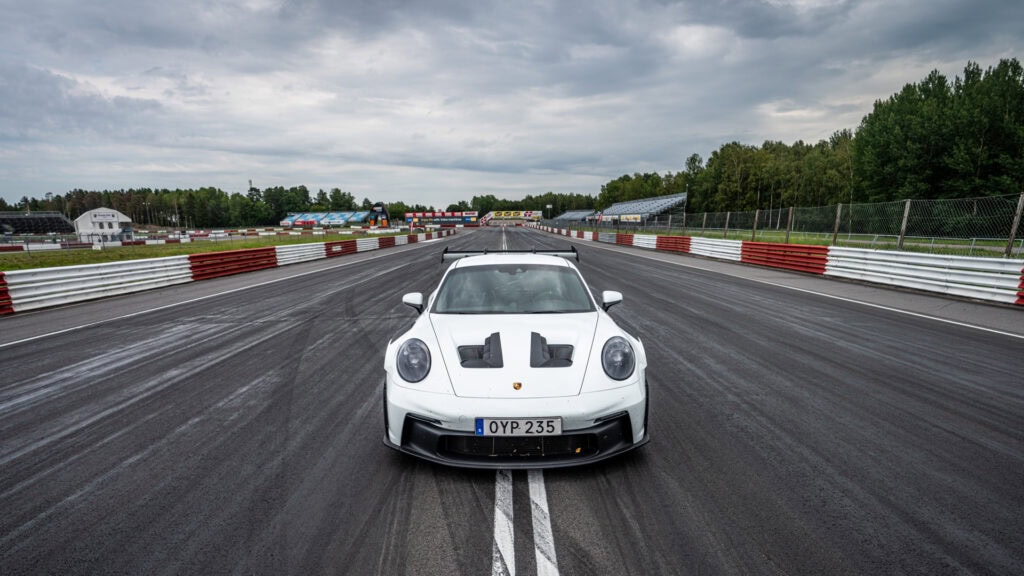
516,335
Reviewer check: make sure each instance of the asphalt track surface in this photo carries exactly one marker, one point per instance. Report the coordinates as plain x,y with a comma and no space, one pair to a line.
233,426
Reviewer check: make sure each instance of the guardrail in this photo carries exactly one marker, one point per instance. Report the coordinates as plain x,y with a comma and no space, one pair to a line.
365,244
6,306
720,249
217,264
800,257
645,241
44,287
295,253
22,290
673,243
340,248
990,279
981,278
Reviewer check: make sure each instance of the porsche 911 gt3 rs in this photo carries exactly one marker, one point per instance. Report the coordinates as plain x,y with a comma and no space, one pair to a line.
512,363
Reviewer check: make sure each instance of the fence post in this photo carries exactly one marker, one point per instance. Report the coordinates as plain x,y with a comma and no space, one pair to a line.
789,223
1013,228
903,227
727,214
835,231
753,235
704,224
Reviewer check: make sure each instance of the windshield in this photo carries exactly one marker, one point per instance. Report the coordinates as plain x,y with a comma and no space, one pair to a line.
512,289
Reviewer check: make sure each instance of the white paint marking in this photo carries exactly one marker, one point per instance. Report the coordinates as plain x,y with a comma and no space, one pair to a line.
896,310
503,554
543,539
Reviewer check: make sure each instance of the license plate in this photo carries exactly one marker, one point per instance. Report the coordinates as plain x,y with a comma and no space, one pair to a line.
518,426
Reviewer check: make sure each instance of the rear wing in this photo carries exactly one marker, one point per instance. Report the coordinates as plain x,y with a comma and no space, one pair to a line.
447,255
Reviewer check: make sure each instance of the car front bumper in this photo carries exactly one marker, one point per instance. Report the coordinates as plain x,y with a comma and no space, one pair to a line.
441,428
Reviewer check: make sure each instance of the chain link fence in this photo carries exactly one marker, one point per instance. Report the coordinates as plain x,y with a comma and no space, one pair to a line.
986,226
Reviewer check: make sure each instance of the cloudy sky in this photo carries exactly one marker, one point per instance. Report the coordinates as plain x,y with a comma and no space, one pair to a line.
438,101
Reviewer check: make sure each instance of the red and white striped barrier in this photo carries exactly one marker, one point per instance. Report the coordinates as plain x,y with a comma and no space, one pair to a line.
216,264
991,279
22,290
799,257
6,306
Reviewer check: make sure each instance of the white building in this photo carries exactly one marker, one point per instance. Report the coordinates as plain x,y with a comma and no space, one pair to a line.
103,225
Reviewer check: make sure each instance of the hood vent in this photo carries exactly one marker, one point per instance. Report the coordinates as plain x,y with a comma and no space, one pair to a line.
543,355
486,356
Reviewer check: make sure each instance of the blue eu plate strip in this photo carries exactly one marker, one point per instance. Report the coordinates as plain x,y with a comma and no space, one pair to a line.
479,426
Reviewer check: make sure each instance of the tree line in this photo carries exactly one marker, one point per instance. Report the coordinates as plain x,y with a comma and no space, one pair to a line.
206,207
934,139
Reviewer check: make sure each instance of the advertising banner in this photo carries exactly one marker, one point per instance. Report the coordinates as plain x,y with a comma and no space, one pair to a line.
440,218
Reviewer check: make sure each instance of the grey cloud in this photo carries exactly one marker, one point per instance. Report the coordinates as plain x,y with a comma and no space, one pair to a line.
759,19
939,27
39,105
476,92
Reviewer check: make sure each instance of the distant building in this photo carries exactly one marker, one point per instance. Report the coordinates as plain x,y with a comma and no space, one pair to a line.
103,225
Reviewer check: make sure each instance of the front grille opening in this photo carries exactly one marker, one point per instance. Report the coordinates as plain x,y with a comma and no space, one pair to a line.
569,445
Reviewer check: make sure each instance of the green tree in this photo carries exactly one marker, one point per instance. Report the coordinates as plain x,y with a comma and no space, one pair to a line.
281,201
484,204
900,146
397,210
461,206
987,155
342,200
322,202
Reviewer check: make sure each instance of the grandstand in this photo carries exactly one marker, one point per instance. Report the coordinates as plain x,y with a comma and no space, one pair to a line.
35,223
646,207
574,216
318,219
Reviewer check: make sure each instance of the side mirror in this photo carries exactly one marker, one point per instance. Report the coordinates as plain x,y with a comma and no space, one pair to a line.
610,298
414,299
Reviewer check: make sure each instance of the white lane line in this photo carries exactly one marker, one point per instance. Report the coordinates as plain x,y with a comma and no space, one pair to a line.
503,555
897,310
543,539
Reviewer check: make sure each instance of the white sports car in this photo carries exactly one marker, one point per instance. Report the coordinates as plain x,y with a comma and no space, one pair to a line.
513,364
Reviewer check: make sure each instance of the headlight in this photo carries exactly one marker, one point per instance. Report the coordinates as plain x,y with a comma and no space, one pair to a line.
413,360
617,358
